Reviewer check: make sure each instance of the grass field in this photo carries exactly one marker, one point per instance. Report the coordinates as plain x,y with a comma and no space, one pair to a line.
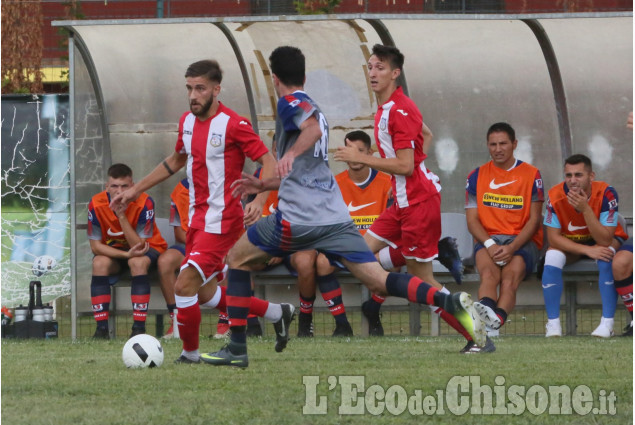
85,382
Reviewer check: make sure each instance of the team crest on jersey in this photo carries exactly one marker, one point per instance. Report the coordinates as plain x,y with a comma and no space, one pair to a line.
216,140
382,124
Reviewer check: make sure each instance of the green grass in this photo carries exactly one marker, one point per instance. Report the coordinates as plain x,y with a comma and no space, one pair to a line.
85,382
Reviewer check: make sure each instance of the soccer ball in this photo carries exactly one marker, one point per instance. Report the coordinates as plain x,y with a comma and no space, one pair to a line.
142,351
43,264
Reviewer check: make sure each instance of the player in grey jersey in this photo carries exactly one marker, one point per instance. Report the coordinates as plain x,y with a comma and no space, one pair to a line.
311,215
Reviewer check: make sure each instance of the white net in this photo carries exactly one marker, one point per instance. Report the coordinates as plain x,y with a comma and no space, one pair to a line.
35,180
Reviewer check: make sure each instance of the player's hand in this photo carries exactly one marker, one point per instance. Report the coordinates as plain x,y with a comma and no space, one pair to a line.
247,185
124,198
120,210
285,165
139,250
578,200
492,251
503,254
347,154
253,211
598,252
629,120
274,261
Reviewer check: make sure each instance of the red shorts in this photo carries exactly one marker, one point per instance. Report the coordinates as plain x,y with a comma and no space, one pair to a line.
207,251
416,229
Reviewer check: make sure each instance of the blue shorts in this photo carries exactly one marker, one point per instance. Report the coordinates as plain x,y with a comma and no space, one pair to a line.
280,238
627,246
152,254
529,252
179,247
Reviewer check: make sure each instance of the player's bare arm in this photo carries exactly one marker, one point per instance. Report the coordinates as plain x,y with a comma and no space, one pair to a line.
99,248
310,133
250,185
477,230
602,235
253,210
403,164
165,169
128,231
179,234
566,245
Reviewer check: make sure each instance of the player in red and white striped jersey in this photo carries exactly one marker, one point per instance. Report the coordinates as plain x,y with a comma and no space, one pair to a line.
213,143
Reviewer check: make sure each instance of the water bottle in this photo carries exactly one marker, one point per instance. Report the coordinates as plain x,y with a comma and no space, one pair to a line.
38,314
21,313
48,313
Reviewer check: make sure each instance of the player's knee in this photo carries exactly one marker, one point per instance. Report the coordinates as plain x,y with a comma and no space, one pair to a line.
168,261
185,287
139,265
555,258
323,266
304,263
101,265
622,265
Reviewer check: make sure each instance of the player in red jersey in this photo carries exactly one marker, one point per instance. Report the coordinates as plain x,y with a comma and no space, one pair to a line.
122,236
213,142
503,207
413,222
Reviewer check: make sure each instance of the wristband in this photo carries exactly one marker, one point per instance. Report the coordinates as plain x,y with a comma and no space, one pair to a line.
612,249
489,243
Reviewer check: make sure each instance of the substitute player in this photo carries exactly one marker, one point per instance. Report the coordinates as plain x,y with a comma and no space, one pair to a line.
213,142
311,215
122,236
503,208
581,221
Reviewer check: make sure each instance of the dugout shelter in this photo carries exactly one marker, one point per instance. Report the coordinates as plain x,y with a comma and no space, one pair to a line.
564,82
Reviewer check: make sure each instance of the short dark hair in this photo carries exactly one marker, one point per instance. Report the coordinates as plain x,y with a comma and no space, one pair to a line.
502,127
288,64
117,171
208,68
358,135
578,158
390,54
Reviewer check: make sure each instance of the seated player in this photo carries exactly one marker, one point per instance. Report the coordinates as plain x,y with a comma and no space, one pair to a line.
623,279
503,208
581,221
122,237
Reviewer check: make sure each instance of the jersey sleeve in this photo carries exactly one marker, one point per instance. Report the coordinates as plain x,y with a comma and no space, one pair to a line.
405,127
145,221
470,190
293,111
175,218
608,212
551,219
94,227
249,142
538,191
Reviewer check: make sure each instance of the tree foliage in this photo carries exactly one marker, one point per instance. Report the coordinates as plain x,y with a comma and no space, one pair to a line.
22,46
